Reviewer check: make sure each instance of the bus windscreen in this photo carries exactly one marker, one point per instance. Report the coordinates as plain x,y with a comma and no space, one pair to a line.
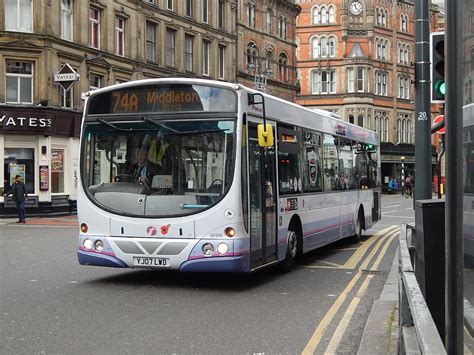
159,98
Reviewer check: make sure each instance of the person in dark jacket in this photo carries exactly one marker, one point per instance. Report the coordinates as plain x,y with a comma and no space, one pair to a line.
144,169
19,194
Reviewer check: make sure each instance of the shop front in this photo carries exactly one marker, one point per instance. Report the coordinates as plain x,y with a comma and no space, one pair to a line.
41,145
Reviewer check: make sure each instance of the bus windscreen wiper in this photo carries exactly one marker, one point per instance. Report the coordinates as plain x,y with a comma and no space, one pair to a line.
114,126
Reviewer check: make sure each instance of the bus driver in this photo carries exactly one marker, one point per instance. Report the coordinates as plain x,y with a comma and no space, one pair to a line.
144,169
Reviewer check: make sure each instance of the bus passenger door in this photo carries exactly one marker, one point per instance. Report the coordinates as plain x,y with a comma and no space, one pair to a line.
262,196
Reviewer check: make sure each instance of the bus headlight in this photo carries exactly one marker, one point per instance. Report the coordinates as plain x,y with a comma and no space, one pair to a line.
87,243
208,249
99,245
222,248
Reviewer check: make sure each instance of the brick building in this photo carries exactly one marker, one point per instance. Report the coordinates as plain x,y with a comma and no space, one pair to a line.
355,59
266,45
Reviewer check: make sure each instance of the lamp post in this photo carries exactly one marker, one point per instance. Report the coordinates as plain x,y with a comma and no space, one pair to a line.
260,80
403,175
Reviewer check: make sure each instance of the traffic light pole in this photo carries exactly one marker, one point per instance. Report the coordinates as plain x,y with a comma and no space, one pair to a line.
454,172
422,101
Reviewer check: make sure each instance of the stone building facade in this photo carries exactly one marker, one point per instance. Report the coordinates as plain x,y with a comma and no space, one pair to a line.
355,58
90,44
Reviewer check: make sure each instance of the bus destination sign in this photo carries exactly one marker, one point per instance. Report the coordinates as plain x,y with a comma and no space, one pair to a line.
162,98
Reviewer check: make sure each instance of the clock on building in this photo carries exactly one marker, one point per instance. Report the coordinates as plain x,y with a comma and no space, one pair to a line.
356,8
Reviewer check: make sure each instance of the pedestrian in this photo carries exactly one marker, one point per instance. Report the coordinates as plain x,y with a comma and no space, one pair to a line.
408,185
395,185
390,185
19,194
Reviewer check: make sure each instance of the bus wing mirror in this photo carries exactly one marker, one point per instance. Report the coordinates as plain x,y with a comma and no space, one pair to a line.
265,135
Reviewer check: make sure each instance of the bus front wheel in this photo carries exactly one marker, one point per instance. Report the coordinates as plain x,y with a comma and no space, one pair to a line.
358,227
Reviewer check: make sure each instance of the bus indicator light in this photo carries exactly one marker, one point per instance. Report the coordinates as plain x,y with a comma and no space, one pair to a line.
84,228
230,232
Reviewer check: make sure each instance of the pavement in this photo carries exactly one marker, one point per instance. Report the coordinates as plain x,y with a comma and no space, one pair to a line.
63,221
381,330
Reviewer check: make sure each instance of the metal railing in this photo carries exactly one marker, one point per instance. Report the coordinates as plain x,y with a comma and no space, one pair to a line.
417,330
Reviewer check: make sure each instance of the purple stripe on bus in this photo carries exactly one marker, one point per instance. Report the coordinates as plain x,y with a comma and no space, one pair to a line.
98,252
215,255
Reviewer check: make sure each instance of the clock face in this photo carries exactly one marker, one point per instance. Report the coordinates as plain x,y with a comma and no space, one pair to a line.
356,8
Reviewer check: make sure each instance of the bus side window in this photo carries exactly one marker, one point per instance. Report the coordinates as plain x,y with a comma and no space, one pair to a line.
331,163
289,142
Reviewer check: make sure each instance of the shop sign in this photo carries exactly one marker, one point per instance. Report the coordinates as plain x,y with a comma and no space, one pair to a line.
66,76
31,121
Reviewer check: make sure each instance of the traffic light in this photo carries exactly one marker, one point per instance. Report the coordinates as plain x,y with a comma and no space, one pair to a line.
438,84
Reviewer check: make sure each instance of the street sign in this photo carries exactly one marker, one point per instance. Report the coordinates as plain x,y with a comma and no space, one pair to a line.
437,120
66,77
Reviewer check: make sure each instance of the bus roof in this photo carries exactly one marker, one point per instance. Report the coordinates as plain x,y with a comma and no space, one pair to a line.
276,109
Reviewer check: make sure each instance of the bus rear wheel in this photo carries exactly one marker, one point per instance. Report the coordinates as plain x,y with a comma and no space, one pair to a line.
291,252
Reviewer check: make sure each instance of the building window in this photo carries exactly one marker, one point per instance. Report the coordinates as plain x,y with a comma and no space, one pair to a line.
381,83
360,79
189,8
283,67
205,57
66,97
282,27
221,15
251,14
323,82
66,20
19,82
350,80
381,126
268,21
94,28
404,131
150,42
119,36
57,171
19,161
332,14
221,62
205,11
404,23
403,87
252,56
269,61
169,4
315,47
18,15
188,52
316,16
360,120
170,50
95,81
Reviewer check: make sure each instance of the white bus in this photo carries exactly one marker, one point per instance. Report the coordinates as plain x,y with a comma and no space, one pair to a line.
200,175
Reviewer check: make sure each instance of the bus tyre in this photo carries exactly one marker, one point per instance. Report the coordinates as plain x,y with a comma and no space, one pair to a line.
356,238
287,264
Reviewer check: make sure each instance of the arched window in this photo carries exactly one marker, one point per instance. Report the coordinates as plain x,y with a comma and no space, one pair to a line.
283,67
384,18
252,55
407,55
351,119
324,15
316,15
379,16
269,60
332,14
360,120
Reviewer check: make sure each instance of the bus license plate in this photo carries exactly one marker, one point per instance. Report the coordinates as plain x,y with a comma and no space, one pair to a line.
153,262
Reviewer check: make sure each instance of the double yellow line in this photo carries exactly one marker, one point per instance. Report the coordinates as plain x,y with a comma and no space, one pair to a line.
384,237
